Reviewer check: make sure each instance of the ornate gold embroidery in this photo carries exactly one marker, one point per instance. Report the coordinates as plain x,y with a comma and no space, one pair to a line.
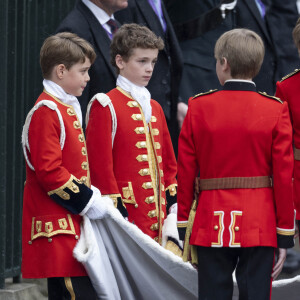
51,228
155,131
114,198
139,130
132,104
161,173
69,184
141,145
149,200
144,172
154,227
172,189
147,185
159,159
48,227
136,117
153,119
163,201
128,194
143,157
152,213
157,145
63,224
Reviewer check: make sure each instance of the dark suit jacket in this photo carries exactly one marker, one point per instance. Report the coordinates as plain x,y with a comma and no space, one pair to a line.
199,72
164,84
103,76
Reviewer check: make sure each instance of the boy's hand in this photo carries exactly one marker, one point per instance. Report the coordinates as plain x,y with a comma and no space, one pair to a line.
181,113
279,265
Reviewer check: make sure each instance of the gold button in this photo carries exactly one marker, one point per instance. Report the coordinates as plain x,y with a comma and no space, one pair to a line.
76,237
149,200
83,179
143,144
134,103
154,227
148,185
76,124
236,228
144,157
84,165
141,129
49,240
30,242
216,227
70,112
81,138
136,205
138,116
172,189
145,171
83,151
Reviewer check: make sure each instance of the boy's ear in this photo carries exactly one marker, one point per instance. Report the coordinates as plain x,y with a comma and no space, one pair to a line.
224,64
119,62
60,69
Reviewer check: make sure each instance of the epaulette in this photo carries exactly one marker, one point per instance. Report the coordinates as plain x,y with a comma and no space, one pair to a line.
205,93
290,75
271,97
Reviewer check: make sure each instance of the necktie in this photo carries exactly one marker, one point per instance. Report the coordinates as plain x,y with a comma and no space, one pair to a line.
261,8
159,13
113,26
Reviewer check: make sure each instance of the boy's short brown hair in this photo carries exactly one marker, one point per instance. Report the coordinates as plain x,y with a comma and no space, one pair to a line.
296,34
64,48
244,51
130,36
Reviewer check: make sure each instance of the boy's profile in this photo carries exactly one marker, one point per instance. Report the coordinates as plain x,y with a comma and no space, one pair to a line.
129,145
288,89
237,139
58,190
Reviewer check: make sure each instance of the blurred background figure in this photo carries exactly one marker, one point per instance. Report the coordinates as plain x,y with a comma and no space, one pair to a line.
261,16
94,21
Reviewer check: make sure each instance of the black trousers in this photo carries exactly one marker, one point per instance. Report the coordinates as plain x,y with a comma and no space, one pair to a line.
71,288
253,272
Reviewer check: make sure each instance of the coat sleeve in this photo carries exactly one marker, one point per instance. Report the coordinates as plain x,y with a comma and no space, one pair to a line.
282,163
46,157
100,151
187,169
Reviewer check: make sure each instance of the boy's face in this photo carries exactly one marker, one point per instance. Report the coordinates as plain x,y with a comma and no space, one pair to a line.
139,67
74,80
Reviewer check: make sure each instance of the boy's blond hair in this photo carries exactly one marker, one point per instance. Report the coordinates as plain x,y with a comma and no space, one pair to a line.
131,36
244,51
64,48
296,34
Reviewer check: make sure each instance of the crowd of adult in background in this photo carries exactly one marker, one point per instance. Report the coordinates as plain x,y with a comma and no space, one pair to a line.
189,29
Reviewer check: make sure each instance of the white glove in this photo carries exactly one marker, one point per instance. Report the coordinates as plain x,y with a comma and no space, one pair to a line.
98,205
173,209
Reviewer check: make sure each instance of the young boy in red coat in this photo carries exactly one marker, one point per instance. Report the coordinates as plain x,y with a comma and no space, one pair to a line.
58,190
130,150
240,142
288,89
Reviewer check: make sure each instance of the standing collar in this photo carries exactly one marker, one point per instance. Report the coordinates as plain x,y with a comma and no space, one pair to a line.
239,85
99,13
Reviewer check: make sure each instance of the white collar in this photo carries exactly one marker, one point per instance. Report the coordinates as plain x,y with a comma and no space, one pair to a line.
138,93
58,92
99,13
240,80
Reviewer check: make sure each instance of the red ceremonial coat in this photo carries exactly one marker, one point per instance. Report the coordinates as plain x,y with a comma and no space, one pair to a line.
288,89
140,166
50,231
237,132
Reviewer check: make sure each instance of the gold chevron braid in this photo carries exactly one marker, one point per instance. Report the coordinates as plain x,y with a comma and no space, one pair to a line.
271,97
205,93
290,75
